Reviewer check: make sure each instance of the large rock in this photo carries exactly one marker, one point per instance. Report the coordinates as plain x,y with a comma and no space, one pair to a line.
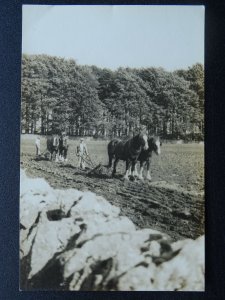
76,240
94,205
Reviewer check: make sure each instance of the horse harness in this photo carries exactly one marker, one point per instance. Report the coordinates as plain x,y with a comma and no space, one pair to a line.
133,151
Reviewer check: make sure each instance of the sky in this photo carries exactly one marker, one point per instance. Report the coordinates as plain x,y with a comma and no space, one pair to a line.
171,37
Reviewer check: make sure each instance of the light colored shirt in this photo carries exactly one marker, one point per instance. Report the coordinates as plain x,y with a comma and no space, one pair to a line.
38,142
82,149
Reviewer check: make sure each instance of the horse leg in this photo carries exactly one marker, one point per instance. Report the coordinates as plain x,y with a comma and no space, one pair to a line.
62,154
56,156
135,170
65,153
127,170
110,161
111,153
114,167
141,170
52,155
148,171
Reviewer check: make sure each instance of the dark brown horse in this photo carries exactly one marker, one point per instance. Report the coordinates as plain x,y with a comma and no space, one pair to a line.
53,146
63,147
145,156
128,150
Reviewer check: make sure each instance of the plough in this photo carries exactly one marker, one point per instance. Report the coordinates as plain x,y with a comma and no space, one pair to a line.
99,169
93,169
45,155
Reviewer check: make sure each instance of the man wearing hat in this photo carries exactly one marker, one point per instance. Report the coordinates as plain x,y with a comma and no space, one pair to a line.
82,152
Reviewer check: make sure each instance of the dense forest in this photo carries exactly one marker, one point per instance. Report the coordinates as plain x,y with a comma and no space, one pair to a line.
58,94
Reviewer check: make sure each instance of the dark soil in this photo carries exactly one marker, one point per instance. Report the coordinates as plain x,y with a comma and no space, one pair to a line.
166,207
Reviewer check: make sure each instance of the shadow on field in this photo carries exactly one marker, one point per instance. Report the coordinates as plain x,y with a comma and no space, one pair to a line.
40,158
100,176
106,176
67,166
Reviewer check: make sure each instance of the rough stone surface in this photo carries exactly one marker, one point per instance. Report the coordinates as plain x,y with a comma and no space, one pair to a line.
72,240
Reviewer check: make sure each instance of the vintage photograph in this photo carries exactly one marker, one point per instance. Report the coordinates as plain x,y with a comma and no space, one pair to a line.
112,194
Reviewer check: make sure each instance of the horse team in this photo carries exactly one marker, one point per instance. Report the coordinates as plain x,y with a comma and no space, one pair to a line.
58,147
139,148
133,150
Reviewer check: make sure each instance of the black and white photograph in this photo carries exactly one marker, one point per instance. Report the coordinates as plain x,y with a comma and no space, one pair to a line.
112,174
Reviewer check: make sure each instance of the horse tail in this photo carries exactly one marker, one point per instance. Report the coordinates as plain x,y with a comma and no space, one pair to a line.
111,150
49,143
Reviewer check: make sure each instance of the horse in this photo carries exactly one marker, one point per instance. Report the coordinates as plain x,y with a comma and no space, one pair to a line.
154,145
63,148
53,146
127,150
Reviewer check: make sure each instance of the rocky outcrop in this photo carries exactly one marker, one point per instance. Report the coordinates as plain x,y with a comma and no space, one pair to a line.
72,240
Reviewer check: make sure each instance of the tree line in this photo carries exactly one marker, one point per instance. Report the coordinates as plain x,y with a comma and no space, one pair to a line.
60,95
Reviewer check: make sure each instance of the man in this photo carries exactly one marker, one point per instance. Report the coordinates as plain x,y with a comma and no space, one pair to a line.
82,153
38,146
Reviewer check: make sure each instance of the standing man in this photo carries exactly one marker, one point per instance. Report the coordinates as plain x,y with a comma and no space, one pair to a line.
82,152
38,146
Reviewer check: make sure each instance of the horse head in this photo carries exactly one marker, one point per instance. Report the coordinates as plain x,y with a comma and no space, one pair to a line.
141,140
145,138
155,145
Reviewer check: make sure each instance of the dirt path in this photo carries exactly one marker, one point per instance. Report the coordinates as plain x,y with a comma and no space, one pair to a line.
158,205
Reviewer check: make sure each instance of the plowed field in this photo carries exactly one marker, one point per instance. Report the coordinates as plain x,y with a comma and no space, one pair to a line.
173,202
